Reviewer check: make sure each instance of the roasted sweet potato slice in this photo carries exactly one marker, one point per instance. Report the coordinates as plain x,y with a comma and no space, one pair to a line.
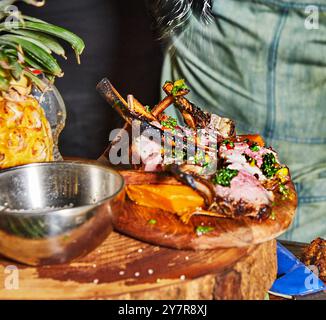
172,198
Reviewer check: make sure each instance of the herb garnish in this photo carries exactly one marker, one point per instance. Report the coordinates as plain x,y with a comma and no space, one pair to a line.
152,221
273,215
179,85
201,159
254,147
169,123
270,165
284,191
204,229
224,176
229,144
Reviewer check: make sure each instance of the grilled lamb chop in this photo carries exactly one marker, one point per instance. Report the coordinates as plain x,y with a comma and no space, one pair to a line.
243,172
214,128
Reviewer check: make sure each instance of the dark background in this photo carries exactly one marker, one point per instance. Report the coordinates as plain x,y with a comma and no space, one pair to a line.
120,45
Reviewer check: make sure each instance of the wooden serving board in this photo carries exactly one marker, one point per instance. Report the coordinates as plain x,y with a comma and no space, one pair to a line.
170,231
124,268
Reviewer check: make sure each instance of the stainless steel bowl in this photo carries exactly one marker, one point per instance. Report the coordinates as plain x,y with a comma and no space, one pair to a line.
55,212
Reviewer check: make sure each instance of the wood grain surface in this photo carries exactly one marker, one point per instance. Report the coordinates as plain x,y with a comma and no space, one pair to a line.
124,268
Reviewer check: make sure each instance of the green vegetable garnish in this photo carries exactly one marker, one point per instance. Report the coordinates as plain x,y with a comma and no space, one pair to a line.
270,165
229,143
224,176
169,123
284,191
255,147
273,215
201,159
152,221
204,229
179,85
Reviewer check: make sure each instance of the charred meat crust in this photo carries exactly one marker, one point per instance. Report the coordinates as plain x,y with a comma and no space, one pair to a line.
315,254
235,209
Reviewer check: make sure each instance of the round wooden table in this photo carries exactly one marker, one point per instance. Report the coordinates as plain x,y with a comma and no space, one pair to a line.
124,268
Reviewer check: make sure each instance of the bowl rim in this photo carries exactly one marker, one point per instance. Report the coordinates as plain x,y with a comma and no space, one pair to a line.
89,163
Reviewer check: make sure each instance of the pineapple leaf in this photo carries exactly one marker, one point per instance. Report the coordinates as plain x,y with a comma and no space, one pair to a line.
36,42
32,19
4,84
15,68
37,81
29,43
6,3
76,42
32,63
47,40
37,53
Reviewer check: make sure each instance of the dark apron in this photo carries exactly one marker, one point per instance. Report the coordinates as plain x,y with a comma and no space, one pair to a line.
261,64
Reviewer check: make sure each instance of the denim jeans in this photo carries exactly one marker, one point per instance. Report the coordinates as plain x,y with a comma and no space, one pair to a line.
259,63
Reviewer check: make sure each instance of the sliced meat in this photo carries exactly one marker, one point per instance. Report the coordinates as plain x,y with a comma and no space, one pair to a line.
245,197
237,157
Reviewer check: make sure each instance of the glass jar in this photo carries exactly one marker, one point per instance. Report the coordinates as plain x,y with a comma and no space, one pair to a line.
55,110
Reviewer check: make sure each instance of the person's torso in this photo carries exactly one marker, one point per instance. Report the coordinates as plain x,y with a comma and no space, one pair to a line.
263,64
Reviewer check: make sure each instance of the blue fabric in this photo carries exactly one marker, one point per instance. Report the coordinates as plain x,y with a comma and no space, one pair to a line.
295,278
258,64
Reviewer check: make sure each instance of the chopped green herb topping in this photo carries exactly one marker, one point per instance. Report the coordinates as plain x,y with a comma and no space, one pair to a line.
201,159
179,85
170,123
284,191
270,165
254,147
152,221
224,176
273,215
228,142
204,229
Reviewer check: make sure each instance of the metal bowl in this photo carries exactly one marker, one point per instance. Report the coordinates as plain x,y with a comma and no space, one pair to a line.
54,212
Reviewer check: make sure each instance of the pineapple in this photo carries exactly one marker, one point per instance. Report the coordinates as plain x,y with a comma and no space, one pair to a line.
26,52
